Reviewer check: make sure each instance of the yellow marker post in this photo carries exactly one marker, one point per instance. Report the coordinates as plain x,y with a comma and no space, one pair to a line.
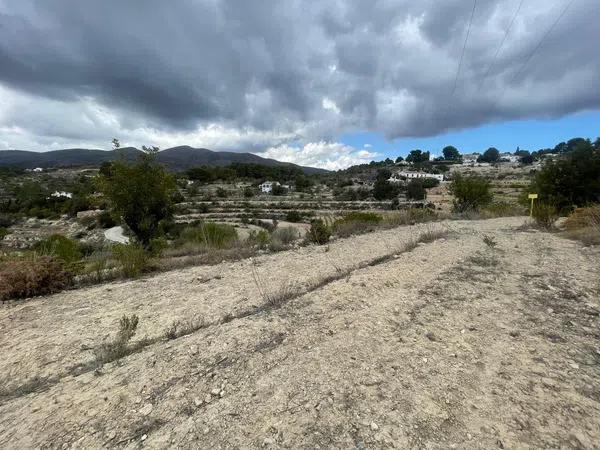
532,197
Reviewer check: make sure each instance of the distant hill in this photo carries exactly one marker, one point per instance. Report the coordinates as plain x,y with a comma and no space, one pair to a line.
175,158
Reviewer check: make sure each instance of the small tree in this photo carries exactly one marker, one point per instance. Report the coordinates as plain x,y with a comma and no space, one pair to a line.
491,155
415,190
451,153
470,193
140,193
383,189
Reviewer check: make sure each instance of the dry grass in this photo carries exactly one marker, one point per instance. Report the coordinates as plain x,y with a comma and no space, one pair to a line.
33,275
584,225
181,328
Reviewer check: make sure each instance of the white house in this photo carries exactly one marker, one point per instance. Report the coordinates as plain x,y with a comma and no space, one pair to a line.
401,176
38,169
470,158
509,157
62,194
267,186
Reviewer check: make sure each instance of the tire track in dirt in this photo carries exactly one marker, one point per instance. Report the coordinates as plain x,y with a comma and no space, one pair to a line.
285,321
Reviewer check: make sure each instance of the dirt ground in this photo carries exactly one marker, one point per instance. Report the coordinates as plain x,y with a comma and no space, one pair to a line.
455,344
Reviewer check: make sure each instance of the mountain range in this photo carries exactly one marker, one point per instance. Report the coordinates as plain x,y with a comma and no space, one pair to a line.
175,158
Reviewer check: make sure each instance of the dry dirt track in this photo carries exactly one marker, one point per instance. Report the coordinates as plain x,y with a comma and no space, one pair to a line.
451,345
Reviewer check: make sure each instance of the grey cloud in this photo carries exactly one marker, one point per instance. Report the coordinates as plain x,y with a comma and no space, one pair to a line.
268,65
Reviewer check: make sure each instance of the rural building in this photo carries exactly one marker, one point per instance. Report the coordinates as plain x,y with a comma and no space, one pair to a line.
470,158
62,194
401,176
267,186
509,157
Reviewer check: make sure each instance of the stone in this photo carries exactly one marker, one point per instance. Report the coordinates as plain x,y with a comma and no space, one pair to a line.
197,401
146,409
215,391
144,437
374,426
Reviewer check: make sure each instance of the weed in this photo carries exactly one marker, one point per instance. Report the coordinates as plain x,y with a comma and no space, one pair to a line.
181,328
119,347
489,241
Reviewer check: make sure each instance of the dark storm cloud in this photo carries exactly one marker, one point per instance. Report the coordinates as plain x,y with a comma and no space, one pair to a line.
384,65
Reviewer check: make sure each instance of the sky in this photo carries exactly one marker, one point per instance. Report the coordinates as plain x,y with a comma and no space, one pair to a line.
326,84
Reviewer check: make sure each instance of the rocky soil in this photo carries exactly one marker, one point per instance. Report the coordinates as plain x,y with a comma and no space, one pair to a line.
457,343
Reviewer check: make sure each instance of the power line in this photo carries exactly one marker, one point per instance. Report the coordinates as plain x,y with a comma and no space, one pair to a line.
489,69
536,48
464,48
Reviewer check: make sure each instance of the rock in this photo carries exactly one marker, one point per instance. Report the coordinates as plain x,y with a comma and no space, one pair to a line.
197,401
268,441
112,435
574,366
144,437
221,394
193,349
146,409
215,391
374,426
208,398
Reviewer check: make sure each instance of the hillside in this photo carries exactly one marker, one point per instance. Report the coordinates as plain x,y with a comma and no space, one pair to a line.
175,158
449,344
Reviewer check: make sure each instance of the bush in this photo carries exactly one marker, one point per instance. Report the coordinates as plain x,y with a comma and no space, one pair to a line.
60,247
429,183
3,232
319,232
294,216
132,258
259,238
140,193
572,180
221,193
415,190
545,215
285,236
106,220
584,225
248,192
27,277
210,234
470,193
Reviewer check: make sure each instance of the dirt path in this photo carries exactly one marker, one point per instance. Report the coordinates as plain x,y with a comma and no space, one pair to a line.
452,345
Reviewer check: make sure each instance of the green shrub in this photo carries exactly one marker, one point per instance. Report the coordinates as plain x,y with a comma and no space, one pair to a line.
259,238
106,220
415,190
3,232
26,277
248,192
294,216
319,232
210,234
60,247
132,258
429,183
470,193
